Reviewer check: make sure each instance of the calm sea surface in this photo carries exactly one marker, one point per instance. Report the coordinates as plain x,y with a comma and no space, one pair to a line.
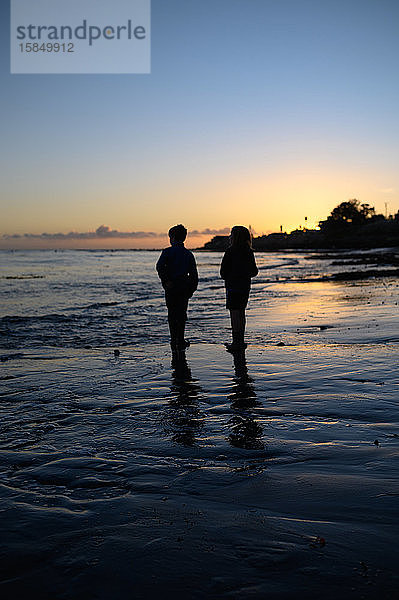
106,298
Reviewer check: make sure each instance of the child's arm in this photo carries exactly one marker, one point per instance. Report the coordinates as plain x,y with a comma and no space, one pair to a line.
253,269
193,275
162,269
225,266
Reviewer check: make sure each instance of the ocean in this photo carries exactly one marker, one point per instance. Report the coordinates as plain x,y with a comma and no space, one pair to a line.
77,299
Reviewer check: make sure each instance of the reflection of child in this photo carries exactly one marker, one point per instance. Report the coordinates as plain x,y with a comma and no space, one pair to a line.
178,272
237,268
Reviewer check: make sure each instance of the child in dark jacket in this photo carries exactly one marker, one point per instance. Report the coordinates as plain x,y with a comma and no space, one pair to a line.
237,268
177,270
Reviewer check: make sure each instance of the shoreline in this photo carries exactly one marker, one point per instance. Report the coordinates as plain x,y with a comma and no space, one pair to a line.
282,250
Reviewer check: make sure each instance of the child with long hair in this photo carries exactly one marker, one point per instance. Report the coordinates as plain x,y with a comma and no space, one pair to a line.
237,268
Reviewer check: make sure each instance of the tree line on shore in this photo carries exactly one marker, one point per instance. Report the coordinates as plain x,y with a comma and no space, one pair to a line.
350,225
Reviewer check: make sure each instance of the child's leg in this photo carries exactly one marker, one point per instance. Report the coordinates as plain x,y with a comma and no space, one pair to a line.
172,320
172,328
237,317
177,317
181,323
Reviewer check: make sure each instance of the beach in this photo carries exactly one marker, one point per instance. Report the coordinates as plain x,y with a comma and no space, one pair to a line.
270,475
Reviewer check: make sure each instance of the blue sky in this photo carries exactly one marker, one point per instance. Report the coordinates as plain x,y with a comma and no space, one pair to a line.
255,111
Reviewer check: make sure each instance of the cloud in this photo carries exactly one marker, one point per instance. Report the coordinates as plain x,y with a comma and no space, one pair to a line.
101,232
224,231
105,232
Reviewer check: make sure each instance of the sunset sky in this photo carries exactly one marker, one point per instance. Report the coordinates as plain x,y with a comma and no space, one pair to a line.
256,112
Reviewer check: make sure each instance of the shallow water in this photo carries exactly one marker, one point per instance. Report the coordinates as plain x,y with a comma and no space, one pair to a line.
122,476
99,299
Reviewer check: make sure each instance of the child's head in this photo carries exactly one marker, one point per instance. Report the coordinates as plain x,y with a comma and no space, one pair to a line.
240,236
178,233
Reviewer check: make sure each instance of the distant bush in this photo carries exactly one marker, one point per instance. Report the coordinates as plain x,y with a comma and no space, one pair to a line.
350,225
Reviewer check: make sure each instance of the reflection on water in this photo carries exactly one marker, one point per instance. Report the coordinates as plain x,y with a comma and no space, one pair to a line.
245,431
183,420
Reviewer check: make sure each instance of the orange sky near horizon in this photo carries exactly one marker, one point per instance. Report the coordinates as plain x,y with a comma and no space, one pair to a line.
264,202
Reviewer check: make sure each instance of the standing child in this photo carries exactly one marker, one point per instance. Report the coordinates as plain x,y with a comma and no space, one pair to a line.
178,273
237,268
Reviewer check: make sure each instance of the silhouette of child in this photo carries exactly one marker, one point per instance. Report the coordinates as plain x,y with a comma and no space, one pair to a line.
177,270
237,268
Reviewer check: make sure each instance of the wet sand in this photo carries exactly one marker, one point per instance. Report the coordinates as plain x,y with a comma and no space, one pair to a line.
123,477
